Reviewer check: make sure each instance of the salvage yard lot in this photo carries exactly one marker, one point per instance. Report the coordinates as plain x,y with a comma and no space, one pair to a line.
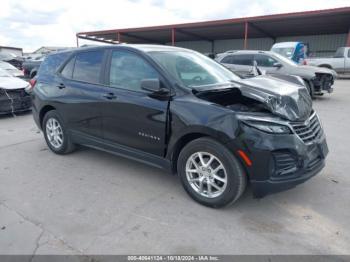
95,203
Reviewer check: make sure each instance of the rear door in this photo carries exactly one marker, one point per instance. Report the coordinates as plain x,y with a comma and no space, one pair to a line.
347,61
339,60
242,64
80,85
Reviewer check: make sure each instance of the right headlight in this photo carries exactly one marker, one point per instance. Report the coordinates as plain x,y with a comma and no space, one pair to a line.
268,127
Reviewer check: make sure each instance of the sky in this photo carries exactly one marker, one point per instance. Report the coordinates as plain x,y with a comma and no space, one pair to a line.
31,24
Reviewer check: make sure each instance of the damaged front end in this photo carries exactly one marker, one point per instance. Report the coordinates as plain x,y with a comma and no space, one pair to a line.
264,93
282,98
278,131
14,100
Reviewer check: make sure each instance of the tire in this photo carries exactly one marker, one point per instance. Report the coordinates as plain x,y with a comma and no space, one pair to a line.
66,146
211,196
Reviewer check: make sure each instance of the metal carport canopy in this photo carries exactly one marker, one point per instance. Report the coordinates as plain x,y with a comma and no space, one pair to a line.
327,21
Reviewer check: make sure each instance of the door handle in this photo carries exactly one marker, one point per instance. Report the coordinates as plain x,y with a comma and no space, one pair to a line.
110,96
61,86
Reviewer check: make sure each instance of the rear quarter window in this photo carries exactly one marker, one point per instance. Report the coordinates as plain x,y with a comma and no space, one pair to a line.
51,63
242,59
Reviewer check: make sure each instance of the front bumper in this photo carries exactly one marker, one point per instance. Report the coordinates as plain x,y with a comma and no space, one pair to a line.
323,83
280,161
14,101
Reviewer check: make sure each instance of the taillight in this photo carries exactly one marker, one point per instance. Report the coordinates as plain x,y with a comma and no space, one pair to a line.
32,82
304,62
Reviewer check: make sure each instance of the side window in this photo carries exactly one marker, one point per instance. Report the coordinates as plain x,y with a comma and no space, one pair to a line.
242,60
88,67
264,60
67,71
339,53
128,69
52,62
227,60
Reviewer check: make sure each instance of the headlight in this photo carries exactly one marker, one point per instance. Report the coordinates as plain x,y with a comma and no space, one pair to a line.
268,127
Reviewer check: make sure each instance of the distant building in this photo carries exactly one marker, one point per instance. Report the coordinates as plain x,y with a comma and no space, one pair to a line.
11,50
324,31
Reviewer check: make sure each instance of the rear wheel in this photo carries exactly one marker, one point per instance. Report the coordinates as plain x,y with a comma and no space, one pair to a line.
210,173
56,135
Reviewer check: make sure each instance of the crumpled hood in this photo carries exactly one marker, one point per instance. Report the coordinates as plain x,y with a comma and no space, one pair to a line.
282,98
9,83
316,69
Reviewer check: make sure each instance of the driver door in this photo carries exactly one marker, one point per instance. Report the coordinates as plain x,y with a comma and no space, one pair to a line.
130,116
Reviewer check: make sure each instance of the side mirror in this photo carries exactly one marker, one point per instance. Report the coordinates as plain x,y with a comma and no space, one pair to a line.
153,85
278,65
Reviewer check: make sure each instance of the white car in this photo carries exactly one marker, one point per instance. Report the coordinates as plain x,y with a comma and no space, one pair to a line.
10,69
13,95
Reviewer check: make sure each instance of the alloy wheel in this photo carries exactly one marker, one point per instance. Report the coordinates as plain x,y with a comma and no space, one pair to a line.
54,133
206,174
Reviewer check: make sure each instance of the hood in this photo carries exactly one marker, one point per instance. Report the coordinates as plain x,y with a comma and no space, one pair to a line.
10,83
14,72
316,69
282,98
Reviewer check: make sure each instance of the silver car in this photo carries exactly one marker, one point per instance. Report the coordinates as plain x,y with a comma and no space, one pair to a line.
317,80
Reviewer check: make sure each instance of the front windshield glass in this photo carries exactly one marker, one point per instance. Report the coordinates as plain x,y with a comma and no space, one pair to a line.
192,69
285,59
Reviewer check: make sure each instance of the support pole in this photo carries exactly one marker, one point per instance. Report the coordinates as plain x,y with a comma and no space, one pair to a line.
118,37
173,36
245,35
348,41
77,40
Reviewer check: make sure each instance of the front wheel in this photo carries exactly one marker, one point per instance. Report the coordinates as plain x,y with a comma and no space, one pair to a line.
210,173
56,135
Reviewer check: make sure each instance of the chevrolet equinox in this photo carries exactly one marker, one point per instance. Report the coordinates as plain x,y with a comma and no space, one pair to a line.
179,110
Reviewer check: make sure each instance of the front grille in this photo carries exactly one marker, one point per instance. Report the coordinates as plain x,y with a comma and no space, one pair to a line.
285,163
308,131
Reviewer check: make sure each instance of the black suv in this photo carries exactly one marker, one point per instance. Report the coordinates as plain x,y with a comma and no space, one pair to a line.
177,109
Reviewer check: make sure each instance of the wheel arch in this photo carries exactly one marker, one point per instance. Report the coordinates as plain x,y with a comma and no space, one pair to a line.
326,66
184,139
43,112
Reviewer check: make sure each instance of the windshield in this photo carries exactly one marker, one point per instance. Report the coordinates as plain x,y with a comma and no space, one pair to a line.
192,69
3,73
285,59
285,51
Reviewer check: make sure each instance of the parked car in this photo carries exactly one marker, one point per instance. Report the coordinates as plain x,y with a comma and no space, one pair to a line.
11,69
177,109
14,60
340,62
13,97
317,80
296,51
31,67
